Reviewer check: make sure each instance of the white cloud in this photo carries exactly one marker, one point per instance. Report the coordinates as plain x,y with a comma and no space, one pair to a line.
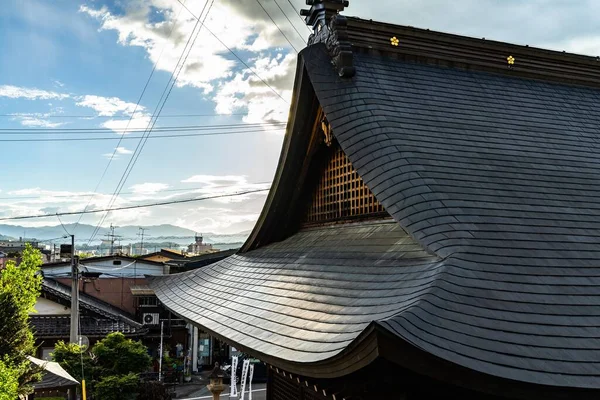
117,151
38,122
108,106
123,150
121,126
148,188
580,45
17,92
216,180
208,215
215,220
217,185
248,91
240,24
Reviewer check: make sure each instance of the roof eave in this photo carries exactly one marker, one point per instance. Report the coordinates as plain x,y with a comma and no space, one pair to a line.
423,45
294,150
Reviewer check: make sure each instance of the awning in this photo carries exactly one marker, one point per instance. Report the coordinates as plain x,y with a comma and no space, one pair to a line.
141,290
54,376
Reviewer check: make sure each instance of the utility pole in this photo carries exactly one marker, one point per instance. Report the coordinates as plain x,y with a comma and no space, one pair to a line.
141,233
74,294
111,238
160,350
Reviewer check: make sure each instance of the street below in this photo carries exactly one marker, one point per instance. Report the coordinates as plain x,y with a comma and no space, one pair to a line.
259,392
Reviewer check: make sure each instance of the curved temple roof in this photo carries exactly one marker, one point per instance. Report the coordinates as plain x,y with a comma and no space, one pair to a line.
493,261
305,298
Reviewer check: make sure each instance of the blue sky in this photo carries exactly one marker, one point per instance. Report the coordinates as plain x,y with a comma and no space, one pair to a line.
92,58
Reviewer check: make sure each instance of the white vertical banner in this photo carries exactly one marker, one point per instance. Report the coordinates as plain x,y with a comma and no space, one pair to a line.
233,392
250,382
245,367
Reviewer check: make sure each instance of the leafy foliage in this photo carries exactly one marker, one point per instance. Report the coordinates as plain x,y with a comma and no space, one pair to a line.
49,398
9,380
70,356
117,387
111,368
120,355
23,280
19,289
83,256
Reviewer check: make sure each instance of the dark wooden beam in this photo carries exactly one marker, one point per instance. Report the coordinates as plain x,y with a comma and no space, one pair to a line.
439,48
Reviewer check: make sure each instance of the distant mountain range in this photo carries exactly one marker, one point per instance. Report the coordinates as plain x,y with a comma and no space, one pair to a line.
127,233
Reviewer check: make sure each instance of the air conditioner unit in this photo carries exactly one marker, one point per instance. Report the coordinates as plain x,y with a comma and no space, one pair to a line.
151,318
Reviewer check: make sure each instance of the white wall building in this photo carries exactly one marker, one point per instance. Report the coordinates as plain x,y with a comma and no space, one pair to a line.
116,266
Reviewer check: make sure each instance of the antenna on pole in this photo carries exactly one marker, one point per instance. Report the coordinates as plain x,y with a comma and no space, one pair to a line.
111,237
141,234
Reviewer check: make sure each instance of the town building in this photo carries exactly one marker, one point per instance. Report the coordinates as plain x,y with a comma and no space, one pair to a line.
164,255
51,319
432,228
17,246
199,247
120,283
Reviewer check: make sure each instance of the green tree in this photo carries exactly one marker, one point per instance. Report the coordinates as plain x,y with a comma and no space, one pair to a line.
120,355
9,380
111,367
70,356
19,289
117,387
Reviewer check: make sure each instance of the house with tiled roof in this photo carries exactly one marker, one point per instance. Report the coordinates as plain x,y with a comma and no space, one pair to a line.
51,319
433,227
118,283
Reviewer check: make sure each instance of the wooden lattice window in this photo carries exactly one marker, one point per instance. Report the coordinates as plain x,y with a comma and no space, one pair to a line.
341,192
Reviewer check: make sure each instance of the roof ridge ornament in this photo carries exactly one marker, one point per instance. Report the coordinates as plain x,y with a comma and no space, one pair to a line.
331,28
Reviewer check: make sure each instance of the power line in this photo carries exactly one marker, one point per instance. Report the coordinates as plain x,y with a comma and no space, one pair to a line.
293,26
277,26
132,114
180,128
238,57
50,240
300,15
91,139
142,142
138,193
63,226
164,203
103,268
38,115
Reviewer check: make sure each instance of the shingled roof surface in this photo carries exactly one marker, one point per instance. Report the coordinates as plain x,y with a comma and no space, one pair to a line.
491,179
58,326
306,298
498,176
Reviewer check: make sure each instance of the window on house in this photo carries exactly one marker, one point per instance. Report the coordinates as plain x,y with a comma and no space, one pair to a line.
117,262
148,301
